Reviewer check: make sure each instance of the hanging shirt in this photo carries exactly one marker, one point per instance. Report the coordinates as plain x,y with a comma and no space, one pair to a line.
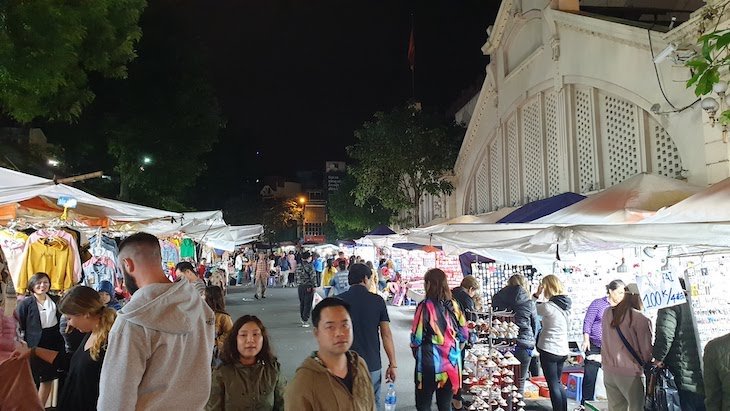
74,256
187,248
13,244
53,256
99,269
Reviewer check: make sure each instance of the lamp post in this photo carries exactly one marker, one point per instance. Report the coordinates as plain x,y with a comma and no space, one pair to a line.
300,221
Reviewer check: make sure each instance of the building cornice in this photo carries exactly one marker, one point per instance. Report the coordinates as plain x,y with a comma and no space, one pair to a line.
506,10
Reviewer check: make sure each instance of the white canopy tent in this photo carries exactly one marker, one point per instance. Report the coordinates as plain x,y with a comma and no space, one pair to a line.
630,201
17,189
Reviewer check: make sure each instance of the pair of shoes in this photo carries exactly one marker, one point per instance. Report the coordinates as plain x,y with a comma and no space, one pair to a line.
305,324
256,296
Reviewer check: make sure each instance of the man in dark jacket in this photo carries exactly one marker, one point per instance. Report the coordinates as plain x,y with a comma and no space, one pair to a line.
515,298
306,277
464,295
675,347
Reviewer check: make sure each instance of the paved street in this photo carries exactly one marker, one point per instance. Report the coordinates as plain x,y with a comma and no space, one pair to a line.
292,343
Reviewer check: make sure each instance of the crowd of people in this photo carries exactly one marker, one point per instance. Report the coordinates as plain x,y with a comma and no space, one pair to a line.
174,345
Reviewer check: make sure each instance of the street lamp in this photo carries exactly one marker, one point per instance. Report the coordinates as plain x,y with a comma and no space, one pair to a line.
300,222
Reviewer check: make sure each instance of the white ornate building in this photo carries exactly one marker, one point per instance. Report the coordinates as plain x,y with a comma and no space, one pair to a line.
572,102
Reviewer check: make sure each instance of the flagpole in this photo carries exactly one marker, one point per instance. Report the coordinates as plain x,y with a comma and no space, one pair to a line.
411,43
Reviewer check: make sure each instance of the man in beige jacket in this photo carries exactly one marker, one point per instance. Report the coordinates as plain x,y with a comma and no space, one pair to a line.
333,377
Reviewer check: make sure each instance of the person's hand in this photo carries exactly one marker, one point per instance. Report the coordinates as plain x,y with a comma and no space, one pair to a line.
21,351
390,373
586,345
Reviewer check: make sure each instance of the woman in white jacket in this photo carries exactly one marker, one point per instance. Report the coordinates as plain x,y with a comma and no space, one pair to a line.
552,343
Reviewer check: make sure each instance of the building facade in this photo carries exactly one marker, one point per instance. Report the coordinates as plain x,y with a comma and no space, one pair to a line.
574,101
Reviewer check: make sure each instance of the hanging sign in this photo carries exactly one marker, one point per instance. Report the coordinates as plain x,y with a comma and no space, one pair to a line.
67,202
659,290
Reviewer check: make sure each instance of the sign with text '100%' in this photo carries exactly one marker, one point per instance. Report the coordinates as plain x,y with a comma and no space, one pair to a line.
659,290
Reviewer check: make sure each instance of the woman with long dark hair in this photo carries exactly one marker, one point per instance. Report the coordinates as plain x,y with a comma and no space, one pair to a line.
223,322
39,319
438,335
250,376
86,313
623,375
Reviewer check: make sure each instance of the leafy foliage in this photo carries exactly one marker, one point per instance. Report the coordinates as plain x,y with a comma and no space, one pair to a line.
706,67
165,110
349,219
280,219
49,47
402,155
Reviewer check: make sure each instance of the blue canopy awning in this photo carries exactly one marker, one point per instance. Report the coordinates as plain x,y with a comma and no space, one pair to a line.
381,230
466,259
540,208
410,246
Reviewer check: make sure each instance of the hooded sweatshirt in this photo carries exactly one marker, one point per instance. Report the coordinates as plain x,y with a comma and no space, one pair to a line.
315,388
555,315
159,351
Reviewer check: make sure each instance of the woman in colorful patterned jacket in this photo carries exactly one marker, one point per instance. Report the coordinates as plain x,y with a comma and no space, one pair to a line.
438,335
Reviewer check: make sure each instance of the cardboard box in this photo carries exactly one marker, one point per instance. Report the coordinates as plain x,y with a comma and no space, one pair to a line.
574,387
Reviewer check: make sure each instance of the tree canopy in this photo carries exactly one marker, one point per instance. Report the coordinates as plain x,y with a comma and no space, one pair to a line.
165,112
351,220
48,48
402,155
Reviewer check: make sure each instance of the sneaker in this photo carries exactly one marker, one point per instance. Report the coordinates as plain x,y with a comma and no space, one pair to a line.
256,296
305,324
263,296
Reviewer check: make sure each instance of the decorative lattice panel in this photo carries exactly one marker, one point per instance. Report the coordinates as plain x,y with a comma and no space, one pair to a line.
665,159
553,143
533,156
495,174
621,138
585,141
469,203
513,161
482,188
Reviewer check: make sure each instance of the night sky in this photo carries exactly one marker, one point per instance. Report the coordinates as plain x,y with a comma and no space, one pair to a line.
296,78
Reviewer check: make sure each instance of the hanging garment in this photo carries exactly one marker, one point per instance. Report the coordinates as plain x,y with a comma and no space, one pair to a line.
53,256
187,249
99,269
13,243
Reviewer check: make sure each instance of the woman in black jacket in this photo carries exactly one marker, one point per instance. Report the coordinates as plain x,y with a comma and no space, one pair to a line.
515,297
39,318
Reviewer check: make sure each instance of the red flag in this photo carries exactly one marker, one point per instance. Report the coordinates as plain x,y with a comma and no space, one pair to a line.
412,50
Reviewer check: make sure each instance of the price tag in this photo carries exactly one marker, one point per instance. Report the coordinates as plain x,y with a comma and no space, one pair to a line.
660,290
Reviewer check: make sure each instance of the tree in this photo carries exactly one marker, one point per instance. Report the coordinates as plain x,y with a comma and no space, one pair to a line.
165,112
706,67
48,48
280,219
349,219
402,155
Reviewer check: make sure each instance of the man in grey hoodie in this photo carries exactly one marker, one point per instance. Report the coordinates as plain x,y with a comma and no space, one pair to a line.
144,365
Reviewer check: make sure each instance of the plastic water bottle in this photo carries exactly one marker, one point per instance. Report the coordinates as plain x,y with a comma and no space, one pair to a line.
390,398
